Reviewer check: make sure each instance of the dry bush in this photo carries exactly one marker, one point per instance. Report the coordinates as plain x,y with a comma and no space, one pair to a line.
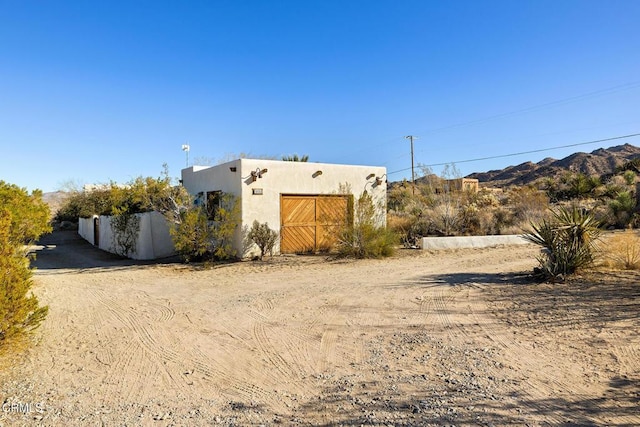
365,237
528,204
401,225
622,251
263,236
478,221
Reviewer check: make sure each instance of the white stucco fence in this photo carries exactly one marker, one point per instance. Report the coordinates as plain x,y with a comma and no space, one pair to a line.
455,242
153,241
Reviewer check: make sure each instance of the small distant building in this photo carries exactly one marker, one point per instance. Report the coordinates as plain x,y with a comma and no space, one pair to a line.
455,185
463,184
304,202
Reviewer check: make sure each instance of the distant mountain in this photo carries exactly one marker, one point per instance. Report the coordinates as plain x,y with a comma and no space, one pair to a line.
599,162
55,200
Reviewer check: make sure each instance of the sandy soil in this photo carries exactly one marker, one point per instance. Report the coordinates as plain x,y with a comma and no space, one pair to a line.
447,338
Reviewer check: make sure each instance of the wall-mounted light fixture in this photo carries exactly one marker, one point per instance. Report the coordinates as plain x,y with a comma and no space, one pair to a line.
316,174
233,168
371,175
258,174
379,179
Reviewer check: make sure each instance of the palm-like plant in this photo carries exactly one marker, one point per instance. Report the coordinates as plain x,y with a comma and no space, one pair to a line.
569,240
296,158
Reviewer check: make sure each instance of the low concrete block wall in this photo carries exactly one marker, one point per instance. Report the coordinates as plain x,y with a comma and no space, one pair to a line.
471,241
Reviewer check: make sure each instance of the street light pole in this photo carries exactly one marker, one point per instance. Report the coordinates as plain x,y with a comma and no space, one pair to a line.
413,174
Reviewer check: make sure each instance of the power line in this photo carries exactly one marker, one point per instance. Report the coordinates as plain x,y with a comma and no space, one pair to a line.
576,98
588,95
523,152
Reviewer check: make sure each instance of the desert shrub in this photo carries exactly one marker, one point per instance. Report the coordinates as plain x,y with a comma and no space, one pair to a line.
622,207
485,199
528,204
503,220
622,250
447,216
580,185
399,197
84,204
137,196
23,219
18,311
225,223
29,214
408,228
569,241
192,236
197,238
399,223
477,221
629,177
264,237
366,237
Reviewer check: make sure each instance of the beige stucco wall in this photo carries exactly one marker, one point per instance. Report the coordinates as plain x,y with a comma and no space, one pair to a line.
283,178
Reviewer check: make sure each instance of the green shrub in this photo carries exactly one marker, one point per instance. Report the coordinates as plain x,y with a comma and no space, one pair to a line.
366,237
629,177
196,238
622,207
192,236
264,237
137,196
226,222
569,241
23,219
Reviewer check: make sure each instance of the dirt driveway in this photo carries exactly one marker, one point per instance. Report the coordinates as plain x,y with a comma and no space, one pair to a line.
447,338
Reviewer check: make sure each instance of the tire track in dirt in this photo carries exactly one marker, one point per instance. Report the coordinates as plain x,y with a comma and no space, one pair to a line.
156,350
153,349
425,308
231,383
328,319
327,348
166,312
443,299
272,336
628,357
271,353
113,381
443,296
105,354
533,394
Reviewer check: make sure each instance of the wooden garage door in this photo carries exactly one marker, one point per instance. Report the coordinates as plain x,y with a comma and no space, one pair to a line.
309,223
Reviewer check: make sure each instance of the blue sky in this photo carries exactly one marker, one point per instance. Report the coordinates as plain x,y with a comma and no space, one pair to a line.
99,91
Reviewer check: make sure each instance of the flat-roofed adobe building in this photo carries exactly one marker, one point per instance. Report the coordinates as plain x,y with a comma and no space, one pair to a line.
305,202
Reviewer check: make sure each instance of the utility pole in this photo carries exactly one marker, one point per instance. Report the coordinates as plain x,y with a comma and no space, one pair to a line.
413,174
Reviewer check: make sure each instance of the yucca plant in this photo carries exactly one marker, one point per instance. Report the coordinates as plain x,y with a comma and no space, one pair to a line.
569,240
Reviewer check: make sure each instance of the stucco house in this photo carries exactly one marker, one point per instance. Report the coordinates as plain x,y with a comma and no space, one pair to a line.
303,201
